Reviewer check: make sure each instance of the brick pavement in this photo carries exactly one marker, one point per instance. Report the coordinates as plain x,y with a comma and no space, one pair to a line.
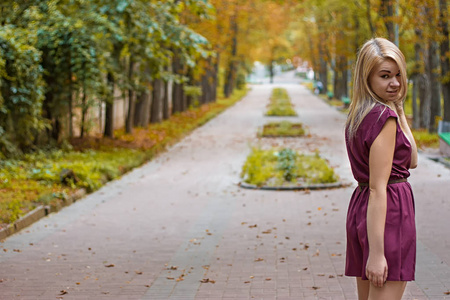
181,219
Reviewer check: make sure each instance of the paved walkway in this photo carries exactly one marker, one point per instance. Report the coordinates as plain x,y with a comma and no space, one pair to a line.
181,219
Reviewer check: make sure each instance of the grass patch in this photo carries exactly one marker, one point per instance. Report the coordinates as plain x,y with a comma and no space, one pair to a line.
34,179
280,104
424,139
283,129
285,167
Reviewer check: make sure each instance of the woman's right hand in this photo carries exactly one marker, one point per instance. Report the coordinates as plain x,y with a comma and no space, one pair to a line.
377,270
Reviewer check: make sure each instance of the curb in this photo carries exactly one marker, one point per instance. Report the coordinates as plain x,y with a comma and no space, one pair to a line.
321,186
38,213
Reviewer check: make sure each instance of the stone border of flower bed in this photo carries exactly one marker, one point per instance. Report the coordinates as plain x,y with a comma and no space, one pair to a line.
319,186
38,213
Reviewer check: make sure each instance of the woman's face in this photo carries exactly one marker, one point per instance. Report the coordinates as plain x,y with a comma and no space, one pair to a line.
385,80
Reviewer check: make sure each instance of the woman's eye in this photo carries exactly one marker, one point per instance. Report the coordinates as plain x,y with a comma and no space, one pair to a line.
385,76
398,75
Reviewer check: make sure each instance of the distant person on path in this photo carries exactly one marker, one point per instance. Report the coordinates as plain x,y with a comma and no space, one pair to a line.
381,233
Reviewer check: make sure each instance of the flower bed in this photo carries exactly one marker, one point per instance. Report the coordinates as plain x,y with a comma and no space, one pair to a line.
286,168
280,104
283,129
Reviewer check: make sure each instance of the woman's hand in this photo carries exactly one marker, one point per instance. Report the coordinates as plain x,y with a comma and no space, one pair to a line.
377,270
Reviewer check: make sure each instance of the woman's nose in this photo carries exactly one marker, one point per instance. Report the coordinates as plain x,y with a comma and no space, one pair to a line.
395,81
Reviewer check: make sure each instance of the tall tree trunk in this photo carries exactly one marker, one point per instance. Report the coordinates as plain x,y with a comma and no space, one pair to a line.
84,110
416,78
157,101
142,109
387,12
166,101
369,19
131,103
177,88
109,109
215,78
445,60
435,104
231,69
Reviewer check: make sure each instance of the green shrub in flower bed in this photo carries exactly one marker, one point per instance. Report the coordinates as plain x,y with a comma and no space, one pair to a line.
25,183
283,129
286,168
280,104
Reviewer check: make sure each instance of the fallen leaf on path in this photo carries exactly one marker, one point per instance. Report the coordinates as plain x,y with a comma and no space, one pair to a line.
317,253
246,281
268,279
110,266
207,280
331,276
267,231
315,287
259,259
172,268
138,272
63,292
170,278
447,293
252,226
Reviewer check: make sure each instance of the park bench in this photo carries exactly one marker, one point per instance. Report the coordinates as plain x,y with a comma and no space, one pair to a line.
444,138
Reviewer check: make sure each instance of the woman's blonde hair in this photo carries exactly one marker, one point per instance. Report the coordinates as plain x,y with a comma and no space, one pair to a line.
371,54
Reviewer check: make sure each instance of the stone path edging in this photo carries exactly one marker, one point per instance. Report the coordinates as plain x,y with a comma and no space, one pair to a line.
38,213
320,186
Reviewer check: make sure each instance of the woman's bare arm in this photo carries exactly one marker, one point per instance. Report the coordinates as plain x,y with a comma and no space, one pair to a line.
380,166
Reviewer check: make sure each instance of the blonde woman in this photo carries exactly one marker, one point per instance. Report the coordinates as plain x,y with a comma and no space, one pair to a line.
381,234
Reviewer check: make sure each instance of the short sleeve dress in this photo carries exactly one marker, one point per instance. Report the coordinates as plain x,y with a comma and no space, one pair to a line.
400,230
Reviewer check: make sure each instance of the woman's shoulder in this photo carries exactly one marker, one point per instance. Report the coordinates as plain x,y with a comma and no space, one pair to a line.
380,111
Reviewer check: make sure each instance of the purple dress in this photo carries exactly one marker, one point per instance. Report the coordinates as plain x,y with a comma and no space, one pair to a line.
400,230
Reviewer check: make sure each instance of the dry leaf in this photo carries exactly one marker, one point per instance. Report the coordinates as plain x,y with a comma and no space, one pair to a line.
170,278
259,259
253,226
331,276
207,280
63,292
268,279
246,281
110,266
267,231
138,272
315,287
